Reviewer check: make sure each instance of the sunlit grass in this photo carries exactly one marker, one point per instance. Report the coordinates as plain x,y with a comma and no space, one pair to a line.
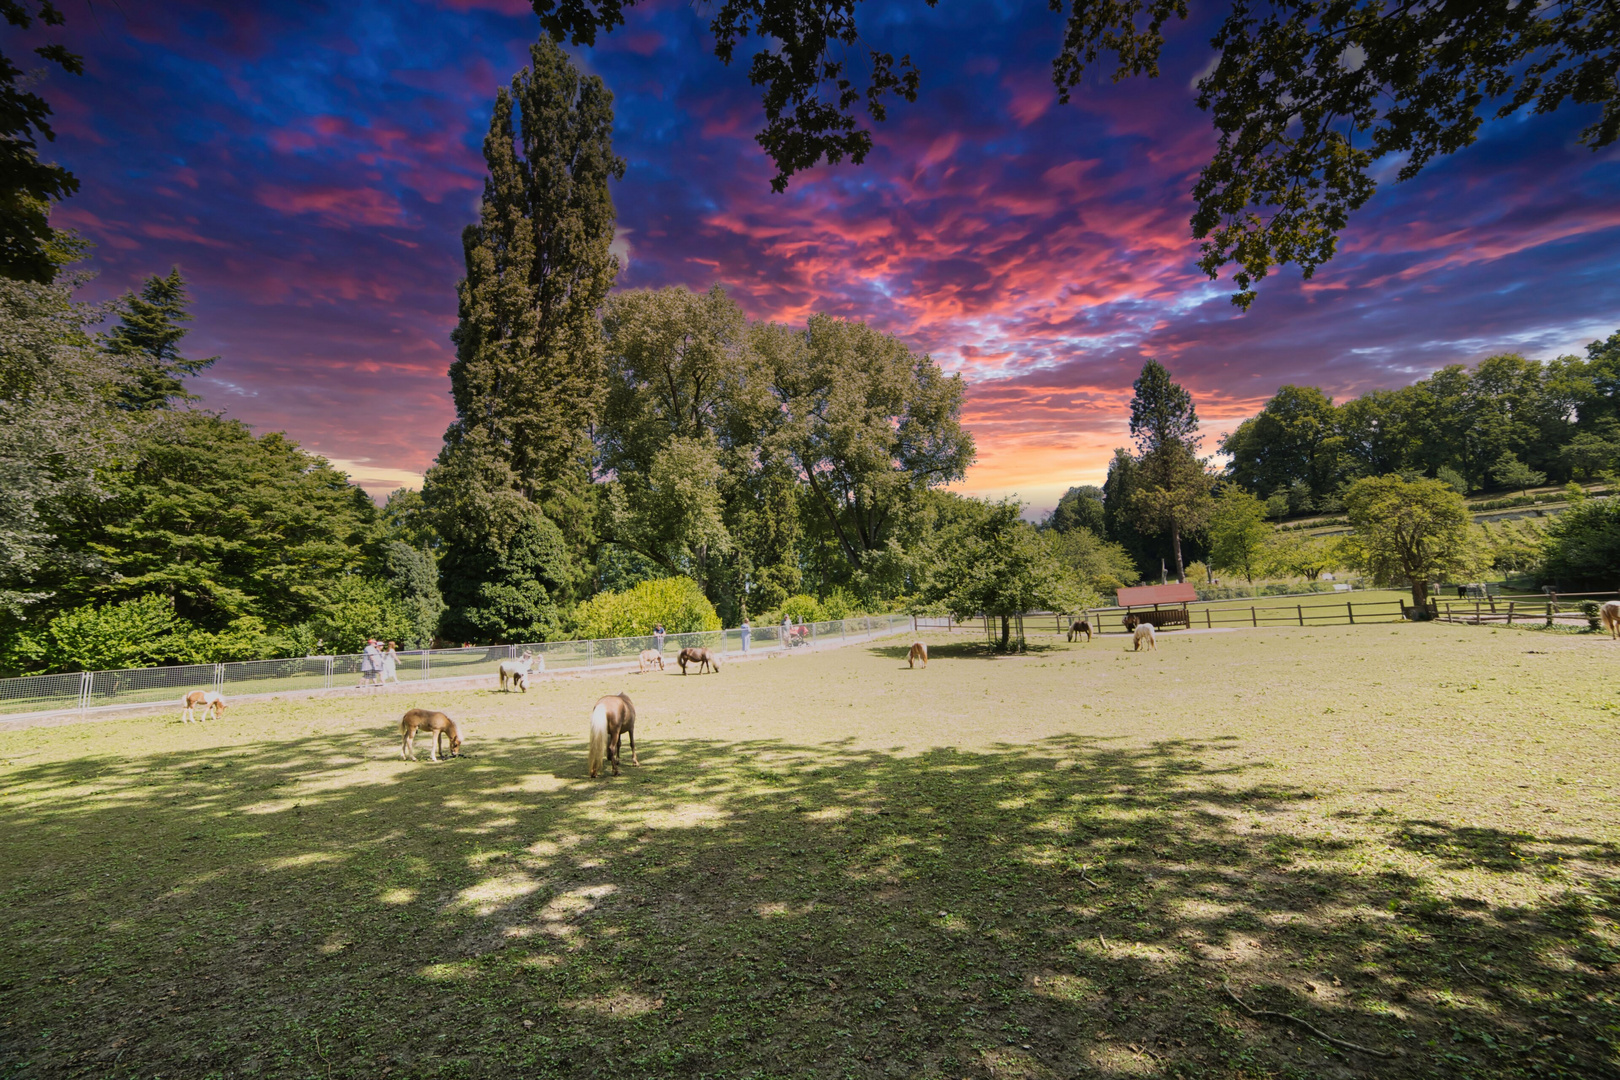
1042,866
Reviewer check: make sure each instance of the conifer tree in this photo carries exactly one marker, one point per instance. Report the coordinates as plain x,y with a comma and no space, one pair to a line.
528,381
147,339
528,371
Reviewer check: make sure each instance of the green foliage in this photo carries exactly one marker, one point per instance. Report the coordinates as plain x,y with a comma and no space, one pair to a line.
1509,471
1097,565
1238,534
358,608
803,607
1411,532
996,564
226,523
1298,555
1162,413
1079,508
412,577
1452,479
147,341
677,603
507,591
30,250
143,632
1583,547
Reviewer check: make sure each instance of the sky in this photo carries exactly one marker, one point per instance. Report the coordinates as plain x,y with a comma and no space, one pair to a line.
310,166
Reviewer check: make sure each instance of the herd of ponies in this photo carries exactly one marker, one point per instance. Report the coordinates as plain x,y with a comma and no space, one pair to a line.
614,717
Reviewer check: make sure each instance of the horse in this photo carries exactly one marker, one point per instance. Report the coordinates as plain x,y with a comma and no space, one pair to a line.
703,658
516,672
1131,622
919,651
650,658
1144,634
1610,614
613,718
1078,627
428,720
212,702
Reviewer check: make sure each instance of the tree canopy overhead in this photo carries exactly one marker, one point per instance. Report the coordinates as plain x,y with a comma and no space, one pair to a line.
1306,96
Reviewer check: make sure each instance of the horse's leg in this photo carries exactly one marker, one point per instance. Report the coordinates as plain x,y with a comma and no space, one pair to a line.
633,759
433,754
407,749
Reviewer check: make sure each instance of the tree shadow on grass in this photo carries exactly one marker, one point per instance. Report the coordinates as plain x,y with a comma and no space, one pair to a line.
962,650
1072,908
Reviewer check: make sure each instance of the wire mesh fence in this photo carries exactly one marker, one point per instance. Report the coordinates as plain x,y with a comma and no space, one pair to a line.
105,690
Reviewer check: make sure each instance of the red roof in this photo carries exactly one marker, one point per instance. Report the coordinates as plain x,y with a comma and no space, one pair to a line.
1157,594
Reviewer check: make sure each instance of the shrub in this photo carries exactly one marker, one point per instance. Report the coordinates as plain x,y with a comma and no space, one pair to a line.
803,606
677,603
1583,546
358,608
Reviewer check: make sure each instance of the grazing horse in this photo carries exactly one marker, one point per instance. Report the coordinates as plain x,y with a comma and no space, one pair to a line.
651,658
516,672
1610,614
1144,635
427,720
1131,622
613,718
919,651
212,702
1078,627
703,658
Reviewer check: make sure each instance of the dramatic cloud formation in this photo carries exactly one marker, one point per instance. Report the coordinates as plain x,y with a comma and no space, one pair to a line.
310,169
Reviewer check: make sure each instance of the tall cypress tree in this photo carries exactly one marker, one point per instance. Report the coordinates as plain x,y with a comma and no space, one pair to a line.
147,343
528,377
528,374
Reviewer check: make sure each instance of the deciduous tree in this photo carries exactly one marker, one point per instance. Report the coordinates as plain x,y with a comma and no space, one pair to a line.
1239,534
1411,532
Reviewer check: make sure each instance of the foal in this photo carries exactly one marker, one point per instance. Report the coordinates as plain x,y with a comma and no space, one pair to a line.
1144,636
517,672
919,651
212,702
1078,627
612,719
435,723
650,658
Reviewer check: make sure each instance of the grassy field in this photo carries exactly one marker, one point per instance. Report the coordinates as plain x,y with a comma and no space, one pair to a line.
1050,865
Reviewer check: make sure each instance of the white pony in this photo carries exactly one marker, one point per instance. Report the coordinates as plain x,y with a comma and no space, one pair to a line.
212,702
1144,636
516,672
1610,614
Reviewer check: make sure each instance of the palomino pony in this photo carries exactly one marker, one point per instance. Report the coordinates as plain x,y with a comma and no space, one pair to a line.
919,651
703,658
613,718
212,702
1144,636
1610,614
1078,627
650,658
435,723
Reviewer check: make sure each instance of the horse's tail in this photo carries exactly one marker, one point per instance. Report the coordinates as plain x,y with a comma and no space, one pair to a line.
598,737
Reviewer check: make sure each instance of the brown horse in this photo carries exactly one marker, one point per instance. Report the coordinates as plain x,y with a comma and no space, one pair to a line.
1130,623
434,722
651,658
703,658
919,651
1078,627
1610,614
613,718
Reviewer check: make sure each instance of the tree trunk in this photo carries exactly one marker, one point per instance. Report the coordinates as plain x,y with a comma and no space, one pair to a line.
1175,542
1420,597
1006,632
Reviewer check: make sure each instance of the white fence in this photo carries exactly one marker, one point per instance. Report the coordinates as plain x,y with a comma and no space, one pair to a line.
103,690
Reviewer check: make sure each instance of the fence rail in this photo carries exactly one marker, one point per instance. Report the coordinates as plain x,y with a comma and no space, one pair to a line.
1519,610
91,691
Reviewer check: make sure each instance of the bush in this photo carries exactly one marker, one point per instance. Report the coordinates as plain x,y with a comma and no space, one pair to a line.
803,606
677,603
358,608
1583,546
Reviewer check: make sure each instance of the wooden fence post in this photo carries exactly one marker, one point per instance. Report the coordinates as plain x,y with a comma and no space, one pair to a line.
1253,619
1510,613
1300,608
1208,622
1350,609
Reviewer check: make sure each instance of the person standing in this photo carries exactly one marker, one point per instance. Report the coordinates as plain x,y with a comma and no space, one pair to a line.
370,663
390,663
658,637
747,631
787,631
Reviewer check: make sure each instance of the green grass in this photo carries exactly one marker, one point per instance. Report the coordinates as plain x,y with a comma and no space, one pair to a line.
829,865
